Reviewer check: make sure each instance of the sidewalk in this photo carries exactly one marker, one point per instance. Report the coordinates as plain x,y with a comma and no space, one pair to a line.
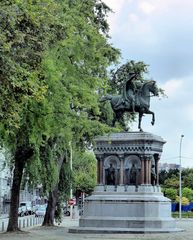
61,233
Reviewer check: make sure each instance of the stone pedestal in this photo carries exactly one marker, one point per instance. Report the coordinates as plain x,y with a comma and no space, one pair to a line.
132,202
126,151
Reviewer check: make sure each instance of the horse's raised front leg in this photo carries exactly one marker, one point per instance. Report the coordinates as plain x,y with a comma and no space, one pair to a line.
139,123
114,120
153,116
116,117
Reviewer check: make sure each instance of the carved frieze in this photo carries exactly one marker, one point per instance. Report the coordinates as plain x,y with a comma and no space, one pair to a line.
129,142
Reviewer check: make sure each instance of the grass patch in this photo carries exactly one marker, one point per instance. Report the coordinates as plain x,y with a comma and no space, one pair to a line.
184,214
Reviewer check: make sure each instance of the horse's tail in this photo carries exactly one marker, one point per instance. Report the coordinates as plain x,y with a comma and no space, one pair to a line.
105,98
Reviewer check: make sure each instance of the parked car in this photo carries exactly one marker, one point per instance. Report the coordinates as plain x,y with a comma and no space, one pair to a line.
66,210
40,211
25,208
21,213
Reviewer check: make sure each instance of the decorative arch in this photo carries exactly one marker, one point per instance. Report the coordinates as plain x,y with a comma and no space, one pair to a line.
112,159
132,159
111,162
132,170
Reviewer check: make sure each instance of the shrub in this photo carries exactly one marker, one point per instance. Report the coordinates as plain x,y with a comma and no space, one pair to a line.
185,200
170,193
188,193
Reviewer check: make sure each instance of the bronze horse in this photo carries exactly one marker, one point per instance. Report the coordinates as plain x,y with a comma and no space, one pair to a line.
142,103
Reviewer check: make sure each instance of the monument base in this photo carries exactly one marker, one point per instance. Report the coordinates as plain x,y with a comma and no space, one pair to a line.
134,202
126,209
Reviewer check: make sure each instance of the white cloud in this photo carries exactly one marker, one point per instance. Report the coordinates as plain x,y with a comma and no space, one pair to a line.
160,33
165,33
136,26
134,18
114,4
146,6
172,86
116,7
189,112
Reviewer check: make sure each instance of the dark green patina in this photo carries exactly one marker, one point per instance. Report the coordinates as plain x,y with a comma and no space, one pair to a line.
135,97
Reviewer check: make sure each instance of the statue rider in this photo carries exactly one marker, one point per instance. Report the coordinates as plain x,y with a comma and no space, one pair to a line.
130,89
130,93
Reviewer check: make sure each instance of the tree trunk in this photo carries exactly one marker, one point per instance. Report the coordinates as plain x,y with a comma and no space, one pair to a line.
21,156
15,190
52,200
50,211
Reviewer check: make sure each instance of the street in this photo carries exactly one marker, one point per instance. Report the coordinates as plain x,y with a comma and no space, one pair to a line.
61,233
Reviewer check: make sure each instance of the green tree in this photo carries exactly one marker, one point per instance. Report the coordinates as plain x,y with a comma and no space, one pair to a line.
75,69
172,182
163,175
170,193
84,172
173,172
23,39
53,63
188,180
188,193
58,161
120,75
187,177
26,31
185,200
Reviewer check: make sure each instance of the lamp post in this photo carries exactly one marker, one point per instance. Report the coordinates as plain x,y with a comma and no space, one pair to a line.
70,144
180,178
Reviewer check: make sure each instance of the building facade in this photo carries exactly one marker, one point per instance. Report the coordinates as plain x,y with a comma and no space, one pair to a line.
5,184
6,178
168,166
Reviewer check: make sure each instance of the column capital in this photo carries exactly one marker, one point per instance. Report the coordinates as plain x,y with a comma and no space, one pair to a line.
99,157
121,156
141,156
157,157
147,157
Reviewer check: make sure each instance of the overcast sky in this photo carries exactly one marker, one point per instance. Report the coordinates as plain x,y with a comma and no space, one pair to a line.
160,33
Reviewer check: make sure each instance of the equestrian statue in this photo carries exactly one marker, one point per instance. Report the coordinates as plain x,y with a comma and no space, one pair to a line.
135,97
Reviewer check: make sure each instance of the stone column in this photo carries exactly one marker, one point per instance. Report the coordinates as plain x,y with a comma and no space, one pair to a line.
121,158
142,170
104,180
157,158
147,169
98,170
101,171
157,177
